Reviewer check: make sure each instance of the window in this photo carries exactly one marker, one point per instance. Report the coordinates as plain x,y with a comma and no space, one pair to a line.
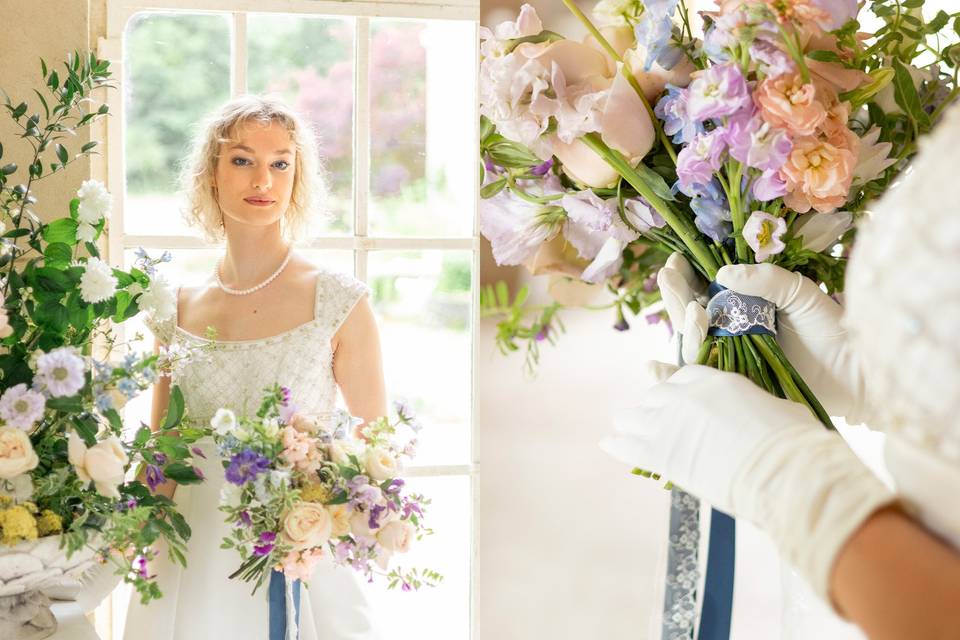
392,88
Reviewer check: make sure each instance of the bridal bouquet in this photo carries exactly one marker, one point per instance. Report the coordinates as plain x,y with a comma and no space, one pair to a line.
65,500
300,486
761,141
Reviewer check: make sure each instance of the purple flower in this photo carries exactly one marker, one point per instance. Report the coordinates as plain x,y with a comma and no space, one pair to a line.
769,186
197,451
268,536
406,586
542,169
514,226
374,520
411,507
246,466
641,215
342,551
654,27
672,109
718,91
395,485
653,318
650,284
155,477
262,549
543,333
199,473
140,567
245,518
131,503
488,163
285,395
622,324
160,458
699,161
755,143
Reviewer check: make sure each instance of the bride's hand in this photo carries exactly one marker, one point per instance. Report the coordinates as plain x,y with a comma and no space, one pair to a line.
755,456
809,327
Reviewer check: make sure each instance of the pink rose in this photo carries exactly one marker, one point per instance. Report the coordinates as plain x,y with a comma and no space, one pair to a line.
397,536
818,175
786,102
306,525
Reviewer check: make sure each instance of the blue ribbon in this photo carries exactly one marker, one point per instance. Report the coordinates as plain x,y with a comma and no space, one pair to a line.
735,314
717,609
277,597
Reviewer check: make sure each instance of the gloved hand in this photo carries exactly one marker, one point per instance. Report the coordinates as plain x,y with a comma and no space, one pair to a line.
754,456
809,327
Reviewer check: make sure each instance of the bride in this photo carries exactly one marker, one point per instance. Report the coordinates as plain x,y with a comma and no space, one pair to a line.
252,179
887,561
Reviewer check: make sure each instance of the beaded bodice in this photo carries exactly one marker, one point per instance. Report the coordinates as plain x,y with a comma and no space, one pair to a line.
235,372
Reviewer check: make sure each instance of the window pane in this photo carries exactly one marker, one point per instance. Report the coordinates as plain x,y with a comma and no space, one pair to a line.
177,69
309,62
422,130
442,612
423,303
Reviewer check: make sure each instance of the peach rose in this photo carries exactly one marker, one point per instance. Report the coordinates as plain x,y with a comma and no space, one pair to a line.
818,175
381,464
16,453
298,565
397,536
360,523
306,525
340,519
786,102
103,463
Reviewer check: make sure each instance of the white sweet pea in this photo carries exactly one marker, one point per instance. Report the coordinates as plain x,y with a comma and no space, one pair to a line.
271,428
97,282
872,159
159,299
94,201
223,421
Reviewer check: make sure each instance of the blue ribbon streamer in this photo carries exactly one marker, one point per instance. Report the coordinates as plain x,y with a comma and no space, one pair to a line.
717,612
277,598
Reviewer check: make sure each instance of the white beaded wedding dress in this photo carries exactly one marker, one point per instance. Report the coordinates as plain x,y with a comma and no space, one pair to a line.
200,601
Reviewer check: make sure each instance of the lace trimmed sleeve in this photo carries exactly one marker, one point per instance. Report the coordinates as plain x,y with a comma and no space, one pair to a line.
338,295
163,330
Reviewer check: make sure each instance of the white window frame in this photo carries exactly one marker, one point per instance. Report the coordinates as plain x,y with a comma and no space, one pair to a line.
108,167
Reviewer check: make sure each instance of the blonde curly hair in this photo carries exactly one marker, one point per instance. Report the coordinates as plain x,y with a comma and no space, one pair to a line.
220,127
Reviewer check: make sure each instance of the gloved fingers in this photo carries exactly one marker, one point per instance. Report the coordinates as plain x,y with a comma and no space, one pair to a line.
627,449
798,299
694,332
654,371
677,262
676,294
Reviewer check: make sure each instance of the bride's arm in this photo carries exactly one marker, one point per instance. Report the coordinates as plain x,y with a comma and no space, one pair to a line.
358,364
158,407
895,580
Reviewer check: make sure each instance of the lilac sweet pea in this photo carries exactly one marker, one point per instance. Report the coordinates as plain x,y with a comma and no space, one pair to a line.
718,91
672,109
654,27
755,143
840,12
513,225
771,59
595,229
769,186
698,162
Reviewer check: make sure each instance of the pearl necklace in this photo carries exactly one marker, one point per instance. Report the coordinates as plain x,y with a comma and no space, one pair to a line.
243,292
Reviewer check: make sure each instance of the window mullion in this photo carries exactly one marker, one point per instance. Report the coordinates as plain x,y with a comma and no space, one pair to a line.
361,142
238,65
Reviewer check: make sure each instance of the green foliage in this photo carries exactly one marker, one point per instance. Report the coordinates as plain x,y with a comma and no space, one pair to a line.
513,327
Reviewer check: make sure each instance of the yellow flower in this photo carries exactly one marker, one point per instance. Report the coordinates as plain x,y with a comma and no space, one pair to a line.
315,493
49,523
5,501
17,524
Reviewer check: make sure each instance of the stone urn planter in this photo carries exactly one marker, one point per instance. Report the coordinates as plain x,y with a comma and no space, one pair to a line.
26,571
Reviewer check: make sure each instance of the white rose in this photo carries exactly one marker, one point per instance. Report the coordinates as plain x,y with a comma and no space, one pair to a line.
338,450
16,453
340,517
397,536
223,421
104,463
306,525
381,464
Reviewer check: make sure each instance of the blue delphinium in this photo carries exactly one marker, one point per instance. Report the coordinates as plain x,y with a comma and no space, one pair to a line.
654,27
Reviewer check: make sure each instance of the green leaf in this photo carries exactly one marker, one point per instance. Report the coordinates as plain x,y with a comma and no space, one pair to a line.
19,110
57,254
143,434
7,169
88,146
51,279
92,249
61,152
86,427
655,181
180,525
823,56
174,409
906,96
61,230
939,22
492,189
116,422
75,209
181,473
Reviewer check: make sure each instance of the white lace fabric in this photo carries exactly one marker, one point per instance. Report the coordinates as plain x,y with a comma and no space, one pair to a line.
235,374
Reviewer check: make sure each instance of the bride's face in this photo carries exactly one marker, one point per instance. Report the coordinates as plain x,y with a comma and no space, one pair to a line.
254,176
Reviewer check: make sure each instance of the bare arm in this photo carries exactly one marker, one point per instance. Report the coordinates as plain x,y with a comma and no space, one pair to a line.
895,580
158,407
358,364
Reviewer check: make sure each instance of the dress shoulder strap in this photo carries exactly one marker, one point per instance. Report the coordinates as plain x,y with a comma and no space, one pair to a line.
337,294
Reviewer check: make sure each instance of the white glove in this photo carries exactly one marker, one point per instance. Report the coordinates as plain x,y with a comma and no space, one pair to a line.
809,328
680,287
754,456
